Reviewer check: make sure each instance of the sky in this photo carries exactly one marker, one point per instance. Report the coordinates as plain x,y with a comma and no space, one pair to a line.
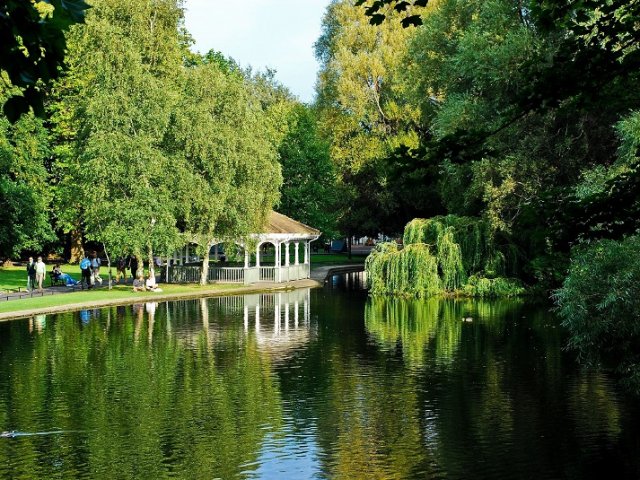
262,33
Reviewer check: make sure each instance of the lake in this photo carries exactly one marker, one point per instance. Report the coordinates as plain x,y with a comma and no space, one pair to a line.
323,383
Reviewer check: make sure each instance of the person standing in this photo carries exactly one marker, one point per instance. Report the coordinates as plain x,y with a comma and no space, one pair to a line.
95,267
121,270
85,268
133,266
41,272
31,274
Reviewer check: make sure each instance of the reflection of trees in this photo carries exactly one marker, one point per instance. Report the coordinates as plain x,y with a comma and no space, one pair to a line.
369,426
148,402
487,390
198,396
422,328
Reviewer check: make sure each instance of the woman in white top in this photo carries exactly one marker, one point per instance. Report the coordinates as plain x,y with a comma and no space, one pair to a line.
152,286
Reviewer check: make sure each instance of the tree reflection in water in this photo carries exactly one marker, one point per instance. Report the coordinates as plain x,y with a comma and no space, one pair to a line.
151,389
265,386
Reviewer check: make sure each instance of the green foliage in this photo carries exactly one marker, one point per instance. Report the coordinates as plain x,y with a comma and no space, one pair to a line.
412,271
482,287
599,303
309,181
467,245
25,195
442,254
364,112
32,48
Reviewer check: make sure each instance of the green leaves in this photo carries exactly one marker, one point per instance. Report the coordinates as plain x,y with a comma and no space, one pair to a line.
32,48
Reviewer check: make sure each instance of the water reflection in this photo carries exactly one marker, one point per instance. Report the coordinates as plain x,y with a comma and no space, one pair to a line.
307,384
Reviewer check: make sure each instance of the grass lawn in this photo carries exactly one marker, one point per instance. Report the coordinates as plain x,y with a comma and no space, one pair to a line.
119,292
13,277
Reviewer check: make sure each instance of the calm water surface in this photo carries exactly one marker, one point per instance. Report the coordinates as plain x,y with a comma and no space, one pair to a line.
308,384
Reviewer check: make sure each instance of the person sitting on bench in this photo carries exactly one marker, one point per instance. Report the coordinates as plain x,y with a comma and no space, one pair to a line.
55,275
58,276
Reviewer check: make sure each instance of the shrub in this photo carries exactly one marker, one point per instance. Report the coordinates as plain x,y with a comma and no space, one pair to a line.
599,303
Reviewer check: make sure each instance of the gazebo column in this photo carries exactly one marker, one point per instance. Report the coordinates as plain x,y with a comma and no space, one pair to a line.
286,261
297,248
246,258
258,256
277,263
307,247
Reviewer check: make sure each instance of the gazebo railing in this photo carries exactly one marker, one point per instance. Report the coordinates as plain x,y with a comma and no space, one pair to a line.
182,274
268,274
191,273
226,275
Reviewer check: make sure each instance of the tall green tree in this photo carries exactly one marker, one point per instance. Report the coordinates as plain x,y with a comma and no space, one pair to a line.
25,195
363,107
221,131
124,63
309,191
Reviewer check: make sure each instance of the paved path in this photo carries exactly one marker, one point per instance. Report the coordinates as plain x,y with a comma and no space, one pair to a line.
321,274
46,291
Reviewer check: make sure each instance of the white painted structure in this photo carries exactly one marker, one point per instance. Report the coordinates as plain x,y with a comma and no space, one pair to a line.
289,239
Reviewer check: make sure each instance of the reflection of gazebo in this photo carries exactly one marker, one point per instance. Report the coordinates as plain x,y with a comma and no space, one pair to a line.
285,234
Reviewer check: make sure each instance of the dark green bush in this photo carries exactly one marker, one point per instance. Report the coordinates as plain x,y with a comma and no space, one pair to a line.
599,303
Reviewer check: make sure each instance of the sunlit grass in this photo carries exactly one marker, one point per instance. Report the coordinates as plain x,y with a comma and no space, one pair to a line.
119,292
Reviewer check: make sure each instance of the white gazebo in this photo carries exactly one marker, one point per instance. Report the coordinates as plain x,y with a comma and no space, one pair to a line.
288,237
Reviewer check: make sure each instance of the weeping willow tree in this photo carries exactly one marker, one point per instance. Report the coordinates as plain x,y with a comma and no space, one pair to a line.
446,254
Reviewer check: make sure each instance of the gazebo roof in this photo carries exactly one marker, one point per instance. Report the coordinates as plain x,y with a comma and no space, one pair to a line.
281,224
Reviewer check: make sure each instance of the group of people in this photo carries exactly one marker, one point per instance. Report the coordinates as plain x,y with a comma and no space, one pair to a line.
90,270
36,273
131,263
90,273
150,285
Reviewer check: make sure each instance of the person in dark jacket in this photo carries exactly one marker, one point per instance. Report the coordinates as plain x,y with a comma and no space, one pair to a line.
133,266
85,268
31,274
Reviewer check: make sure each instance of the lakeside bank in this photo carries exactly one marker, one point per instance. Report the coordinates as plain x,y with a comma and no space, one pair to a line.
25,308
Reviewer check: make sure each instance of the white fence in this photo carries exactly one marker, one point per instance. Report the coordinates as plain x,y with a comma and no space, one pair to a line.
267,274
191,273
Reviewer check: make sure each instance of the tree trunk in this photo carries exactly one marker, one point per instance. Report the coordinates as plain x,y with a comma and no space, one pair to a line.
140,269
152,264
104,247
76,251
204,272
